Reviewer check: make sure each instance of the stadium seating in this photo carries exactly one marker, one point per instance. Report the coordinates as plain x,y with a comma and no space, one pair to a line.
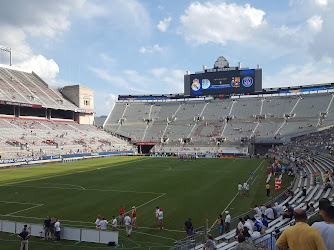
203,121
19,86
44,137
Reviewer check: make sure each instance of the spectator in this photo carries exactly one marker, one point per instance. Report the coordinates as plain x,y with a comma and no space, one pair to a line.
289,212
268,241
188,225
128,227
278,208
264,222
257,225
326,227
24,235
121,215
301,235
240,226
220,224
269,213
57,229
263,208
257,210
304,191
317,217
310,210
209,244
243,244
227,221
46,226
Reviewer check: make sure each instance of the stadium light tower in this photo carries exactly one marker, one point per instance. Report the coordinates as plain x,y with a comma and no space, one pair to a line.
10,53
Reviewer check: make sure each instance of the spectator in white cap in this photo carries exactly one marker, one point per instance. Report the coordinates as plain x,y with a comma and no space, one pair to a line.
227,221
278,208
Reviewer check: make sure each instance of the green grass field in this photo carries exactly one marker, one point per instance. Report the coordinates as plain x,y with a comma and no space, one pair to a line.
77,192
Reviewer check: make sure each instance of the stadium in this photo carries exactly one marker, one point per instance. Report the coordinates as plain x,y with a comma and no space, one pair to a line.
185,153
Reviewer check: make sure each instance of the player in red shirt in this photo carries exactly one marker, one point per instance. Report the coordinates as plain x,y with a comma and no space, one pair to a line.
121,216
134,217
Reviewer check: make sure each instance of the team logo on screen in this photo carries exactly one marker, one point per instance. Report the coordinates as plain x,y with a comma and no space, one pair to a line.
206,83
247,81
195,86
235,83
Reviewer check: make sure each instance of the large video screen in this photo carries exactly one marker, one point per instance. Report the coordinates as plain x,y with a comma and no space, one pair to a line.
224,82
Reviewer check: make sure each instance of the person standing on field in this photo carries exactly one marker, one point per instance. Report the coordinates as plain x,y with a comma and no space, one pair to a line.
24,235
240,189
227,221
57,229
128,227
161,217
268,189
121,216
157,216
134,217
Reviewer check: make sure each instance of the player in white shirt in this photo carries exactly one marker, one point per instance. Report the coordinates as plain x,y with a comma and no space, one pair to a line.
57,230
244,186
240,189
157,215
160,218
114,223
128,226
97,222
103,224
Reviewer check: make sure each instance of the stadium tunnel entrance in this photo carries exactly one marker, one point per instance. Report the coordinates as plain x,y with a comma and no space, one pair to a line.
262,148
145,147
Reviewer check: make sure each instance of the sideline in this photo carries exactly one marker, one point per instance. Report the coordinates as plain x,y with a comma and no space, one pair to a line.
235,196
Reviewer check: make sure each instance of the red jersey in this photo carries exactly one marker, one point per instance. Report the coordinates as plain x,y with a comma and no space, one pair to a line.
134,214
121,211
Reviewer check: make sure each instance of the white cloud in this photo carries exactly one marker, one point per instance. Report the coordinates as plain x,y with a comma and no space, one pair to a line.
296,75
42,19
151,49
164,24
220,23
315,23
109,101
321,2
157,72
46,69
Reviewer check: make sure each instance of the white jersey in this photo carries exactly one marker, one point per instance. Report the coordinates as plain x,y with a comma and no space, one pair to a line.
57,226
258,211
97,222
127,220
114,222
327,232
157,213
239,187
161,215
228,218
103,224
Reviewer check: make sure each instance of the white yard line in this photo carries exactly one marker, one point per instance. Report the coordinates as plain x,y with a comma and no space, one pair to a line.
38,205
149,201
23,203
235,196
254,179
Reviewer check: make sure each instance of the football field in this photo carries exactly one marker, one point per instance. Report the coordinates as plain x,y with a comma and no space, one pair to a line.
77,192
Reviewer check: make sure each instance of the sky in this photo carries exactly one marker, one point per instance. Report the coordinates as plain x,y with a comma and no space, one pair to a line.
144,47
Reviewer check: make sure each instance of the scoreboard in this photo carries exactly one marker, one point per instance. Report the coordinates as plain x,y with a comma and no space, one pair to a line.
221,82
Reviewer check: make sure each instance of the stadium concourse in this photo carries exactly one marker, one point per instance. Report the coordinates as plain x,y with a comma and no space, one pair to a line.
37,120
307,191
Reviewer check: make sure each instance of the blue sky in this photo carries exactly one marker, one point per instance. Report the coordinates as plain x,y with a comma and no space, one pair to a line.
143,47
